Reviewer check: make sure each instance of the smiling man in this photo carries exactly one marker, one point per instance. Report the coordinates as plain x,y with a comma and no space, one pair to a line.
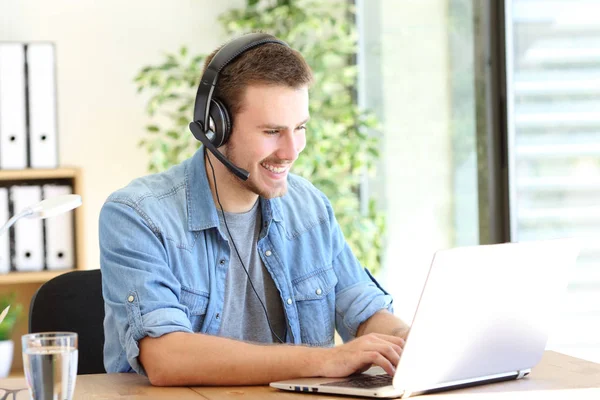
210,279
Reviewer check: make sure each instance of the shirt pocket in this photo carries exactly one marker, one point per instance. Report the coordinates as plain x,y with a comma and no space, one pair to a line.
315,300
197,304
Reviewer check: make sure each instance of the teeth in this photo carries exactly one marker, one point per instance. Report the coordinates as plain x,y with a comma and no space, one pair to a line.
277,170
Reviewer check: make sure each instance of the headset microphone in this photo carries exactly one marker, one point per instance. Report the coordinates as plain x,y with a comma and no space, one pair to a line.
199,134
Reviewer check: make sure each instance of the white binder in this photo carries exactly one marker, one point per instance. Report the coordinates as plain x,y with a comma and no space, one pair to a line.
4,239
13,125
42,106
29,236
59,233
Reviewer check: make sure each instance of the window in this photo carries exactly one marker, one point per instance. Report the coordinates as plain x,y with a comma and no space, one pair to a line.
553,92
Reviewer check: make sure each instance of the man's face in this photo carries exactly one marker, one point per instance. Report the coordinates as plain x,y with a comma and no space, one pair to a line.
268,135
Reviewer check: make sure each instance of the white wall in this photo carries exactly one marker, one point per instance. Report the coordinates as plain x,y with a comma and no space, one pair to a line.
100,46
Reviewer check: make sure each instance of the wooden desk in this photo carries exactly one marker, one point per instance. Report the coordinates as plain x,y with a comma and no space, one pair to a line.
557,377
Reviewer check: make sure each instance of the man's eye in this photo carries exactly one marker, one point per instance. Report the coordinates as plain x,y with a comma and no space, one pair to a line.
271,132
303,127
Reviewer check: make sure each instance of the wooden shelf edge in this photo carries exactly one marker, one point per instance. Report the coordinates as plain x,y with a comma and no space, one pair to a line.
30,277
30,173
16,373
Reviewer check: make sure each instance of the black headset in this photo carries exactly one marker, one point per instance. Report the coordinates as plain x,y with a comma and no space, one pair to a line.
212,122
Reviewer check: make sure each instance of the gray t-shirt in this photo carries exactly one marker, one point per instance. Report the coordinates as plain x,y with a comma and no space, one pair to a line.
243,317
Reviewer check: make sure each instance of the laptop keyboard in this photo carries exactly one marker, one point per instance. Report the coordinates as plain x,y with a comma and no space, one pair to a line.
364,381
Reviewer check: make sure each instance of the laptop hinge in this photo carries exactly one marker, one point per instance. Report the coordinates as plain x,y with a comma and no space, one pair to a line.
523,373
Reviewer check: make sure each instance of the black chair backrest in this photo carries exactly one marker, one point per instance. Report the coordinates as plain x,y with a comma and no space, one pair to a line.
73,302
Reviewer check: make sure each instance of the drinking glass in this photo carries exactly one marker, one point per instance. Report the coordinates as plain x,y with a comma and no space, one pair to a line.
50,364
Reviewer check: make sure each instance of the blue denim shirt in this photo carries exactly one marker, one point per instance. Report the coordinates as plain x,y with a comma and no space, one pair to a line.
164,262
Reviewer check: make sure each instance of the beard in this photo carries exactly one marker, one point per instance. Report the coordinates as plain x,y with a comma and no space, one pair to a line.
252,184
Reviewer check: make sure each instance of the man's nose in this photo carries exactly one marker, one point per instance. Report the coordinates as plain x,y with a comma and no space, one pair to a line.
289,147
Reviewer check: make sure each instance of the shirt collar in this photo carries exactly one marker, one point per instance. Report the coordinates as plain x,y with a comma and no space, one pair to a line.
202,212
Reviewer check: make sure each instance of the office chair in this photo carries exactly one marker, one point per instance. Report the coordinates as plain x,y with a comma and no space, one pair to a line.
73,302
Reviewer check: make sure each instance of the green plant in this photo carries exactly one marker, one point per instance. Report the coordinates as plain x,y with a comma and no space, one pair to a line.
342,140
8,324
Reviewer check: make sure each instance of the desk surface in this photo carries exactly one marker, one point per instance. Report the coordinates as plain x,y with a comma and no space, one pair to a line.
556,377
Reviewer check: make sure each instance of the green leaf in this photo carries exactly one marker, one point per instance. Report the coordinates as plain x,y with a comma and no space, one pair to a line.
173,134
152,128
14,313
167,66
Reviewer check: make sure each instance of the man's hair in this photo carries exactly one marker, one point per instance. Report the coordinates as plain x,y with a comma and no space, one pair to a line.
267,64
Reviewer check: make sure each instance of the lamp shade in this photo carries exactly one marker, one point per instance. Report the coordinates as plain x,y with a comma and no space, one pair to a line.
55,206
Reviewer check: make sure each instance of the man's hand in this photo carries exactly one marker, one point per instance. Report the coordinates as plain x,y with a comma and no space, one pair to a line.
359,354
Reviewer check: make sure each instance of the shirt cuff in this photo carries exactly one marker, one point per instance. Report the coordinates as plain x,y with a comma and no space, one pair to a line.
359,302
153,324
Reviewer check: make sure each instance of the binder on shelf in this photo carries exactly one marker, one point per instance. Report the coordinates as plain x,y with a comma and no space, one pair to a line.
42,105
13,120
60,246
29,235
4,239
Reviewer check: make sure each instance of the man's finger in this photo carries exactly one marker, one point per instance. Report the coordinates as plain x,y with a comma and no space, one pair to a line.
389,353
379,360
393,339
390,338
397,348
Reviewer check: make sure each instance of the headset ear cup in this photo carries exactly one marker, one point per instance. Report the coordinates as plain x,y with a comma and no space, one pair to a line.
221,122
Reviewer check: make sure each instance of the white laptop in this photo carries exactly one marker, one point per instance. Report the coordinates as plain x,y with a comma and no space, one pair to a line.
483,317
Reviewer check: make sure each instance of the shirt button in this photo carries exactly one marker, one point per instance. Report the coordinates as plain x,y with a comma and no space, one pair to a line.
130,299
318,292
222,262
268,253
289,301
217,316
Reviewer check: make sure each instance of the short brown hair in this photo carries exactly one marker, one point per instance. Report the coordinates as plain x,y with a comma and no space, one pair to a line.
270,64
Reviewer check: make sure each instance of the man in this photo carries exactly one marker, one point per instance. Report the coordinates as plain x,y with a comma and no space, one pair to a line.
204,273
